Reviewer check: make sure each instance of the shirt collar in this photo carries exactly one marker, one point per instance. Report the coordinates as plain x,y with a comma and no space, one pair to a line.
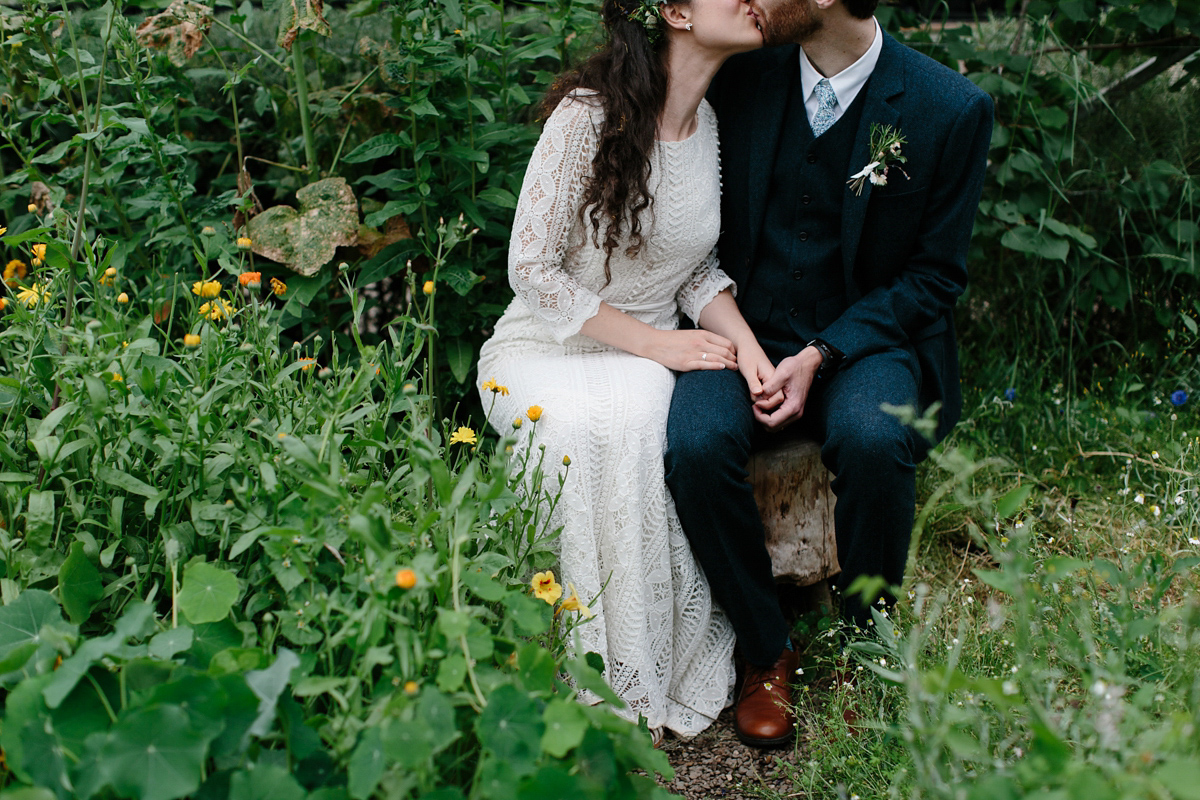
847,83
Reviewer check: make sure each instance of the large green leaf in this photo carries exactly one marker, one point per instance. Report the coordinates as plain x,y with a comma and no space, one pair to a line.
22,624
268,684
265,782
135,623
153,754
208,593
511,727
79,584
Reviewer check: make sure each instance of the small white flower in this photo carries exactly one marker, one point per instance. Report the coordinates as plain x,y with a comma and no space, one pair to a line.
1009,688
1139,498
1194,541
1156,511
1179,499
1099,688
1174,417
878,179
1154,454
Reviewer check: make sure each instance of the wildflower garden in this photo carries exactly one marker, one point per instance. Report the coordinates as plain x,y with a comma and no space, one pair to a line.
256,543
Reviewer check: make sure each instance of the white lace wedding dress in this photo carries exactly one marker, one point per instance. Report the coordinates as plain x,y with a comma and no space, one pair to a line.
667,647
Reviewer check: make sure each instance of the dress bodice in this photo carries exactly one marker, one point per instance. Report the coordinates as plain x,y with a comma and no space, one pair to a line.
557,269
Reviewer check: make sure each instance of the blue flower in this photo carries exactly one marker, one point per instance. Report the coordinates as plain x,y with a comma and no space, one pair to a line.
1178,397
1010,394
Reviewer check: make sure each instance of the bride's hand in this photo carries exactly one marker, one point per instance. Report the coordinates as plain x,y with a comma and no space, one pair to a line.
755,367
684,351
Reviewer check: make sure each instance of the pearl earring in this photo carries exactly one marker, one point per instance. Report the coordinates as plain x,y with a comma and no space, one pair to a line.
688,26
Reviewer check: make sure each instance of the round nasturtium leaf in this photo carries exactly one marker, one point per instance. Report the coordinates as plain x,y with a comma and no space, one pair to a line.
208,593
154,754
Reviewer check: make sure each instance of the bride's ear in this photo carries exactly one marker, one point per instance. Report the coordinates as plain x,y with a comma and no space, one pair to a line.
677,16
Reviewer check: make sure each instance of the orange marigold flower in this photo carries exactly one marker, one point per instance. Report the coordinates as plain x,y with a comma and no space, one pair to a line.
534,413
428,287
308,363
3,303
14,272
406,578
278,287
251,280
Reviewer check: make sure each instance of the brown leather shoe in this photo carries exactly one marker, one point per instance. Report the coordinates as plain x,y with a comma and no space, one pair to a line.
764,709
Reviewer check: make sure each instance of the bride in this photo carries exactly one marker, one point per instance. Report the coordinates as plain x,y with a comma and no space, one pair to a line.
613,238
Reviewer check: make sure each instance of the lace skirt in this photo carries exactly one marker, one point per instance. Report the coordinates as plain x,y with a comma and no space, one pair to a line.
667,647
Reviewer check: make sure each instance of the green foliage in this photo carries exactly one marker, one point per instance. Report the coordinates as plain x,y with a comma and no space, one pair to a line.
1084,254
282,577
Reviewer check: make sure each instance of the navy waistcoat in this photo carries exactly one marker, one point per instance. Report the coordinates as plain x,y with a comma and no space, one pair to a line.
797,286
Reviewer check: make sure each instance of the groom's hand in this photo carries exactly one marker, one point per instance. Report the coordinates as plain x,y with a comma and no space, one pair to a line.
785,392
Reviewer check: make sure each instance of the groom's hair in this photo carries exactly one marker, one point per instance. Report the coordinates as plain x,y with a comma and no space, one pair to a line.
862,9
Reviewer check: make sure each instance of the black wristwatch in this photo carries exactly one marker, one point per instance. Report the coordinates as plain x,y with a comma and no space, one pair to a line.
830,356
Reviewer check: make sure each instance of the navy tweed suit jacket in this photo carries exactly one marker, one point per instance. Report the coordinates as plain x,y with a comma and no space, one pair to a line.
904,245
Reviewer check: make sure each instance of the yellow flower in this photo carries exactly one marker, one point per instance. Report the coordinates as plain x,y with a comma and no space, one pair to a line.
206,288
3,230
573,603
463,435
517,423
116,376
208,230
14,272
308,363
109,277
217,309
191,340
31,208
406,578
566,461
411,688
38,293
244,243
278,287
39,253
3,303
495,388
251,280
428,287
545,587
122,298
534,413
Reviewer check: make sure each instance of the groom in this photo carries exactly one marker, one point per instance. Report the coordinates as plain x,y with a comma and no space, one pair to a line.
850,294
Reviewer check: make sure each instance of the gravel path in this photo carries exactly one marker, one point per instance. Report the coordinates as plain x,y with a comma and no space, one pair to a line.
716,765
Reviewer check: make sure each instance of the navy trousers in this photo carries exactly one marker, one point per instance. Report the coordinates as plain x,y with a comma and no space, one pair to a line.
711,432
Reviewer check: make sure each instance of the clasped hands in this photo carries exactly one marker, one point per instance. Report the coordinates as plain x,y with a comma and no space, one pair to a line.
779,391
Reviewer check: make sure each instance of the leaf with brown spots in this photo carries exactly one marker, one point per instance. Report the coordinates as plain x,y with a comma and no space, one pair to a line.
180,29
295,15
307,239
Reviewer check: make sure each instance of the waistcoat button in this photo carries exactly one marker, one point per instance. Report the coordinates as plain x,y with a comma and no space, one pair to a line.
804,236
812,158
793,312
797,274
806,199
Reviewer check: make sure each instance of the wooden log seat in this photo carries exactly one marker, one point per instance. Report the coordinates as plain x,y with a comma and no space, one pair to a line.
792,489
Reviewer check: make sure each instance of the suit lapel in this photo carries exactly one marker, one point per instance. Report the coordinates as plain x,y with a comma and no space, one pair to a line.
887,81
770,103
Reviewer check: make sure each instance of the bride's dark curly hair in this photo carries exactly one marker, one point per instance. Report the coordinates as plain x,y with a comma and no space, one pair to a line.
630,76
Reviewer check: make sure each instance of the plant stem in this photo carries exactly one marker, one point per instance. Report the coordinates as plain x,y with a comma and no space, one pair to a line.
310,149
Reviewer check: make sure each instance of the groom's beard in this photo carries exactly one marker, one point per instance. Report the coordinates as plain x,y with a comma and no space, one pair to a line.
788,21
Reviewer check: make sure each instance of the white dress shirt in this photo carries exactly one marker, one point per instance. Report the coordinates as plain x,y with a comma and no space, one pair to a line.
846,84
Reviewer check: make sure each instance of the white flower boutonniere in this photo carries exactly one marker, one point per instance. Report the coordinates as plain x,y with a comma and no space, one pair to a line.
886,144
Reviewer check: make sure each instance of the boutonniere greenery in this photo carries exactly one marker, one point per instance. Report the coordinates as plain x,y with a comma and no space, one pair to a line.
886,144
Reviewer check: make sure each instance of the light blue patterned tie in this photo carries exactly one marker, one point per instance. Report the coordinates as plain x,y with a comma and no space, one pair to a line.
826,100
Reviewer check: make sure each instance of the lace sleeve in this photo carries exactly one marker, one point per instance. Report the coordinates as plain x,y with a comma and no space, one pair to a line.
705,283
551,195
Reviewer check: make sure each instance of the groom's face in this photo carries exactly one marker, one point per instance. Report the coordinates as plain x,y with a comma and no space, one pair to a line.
785,21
